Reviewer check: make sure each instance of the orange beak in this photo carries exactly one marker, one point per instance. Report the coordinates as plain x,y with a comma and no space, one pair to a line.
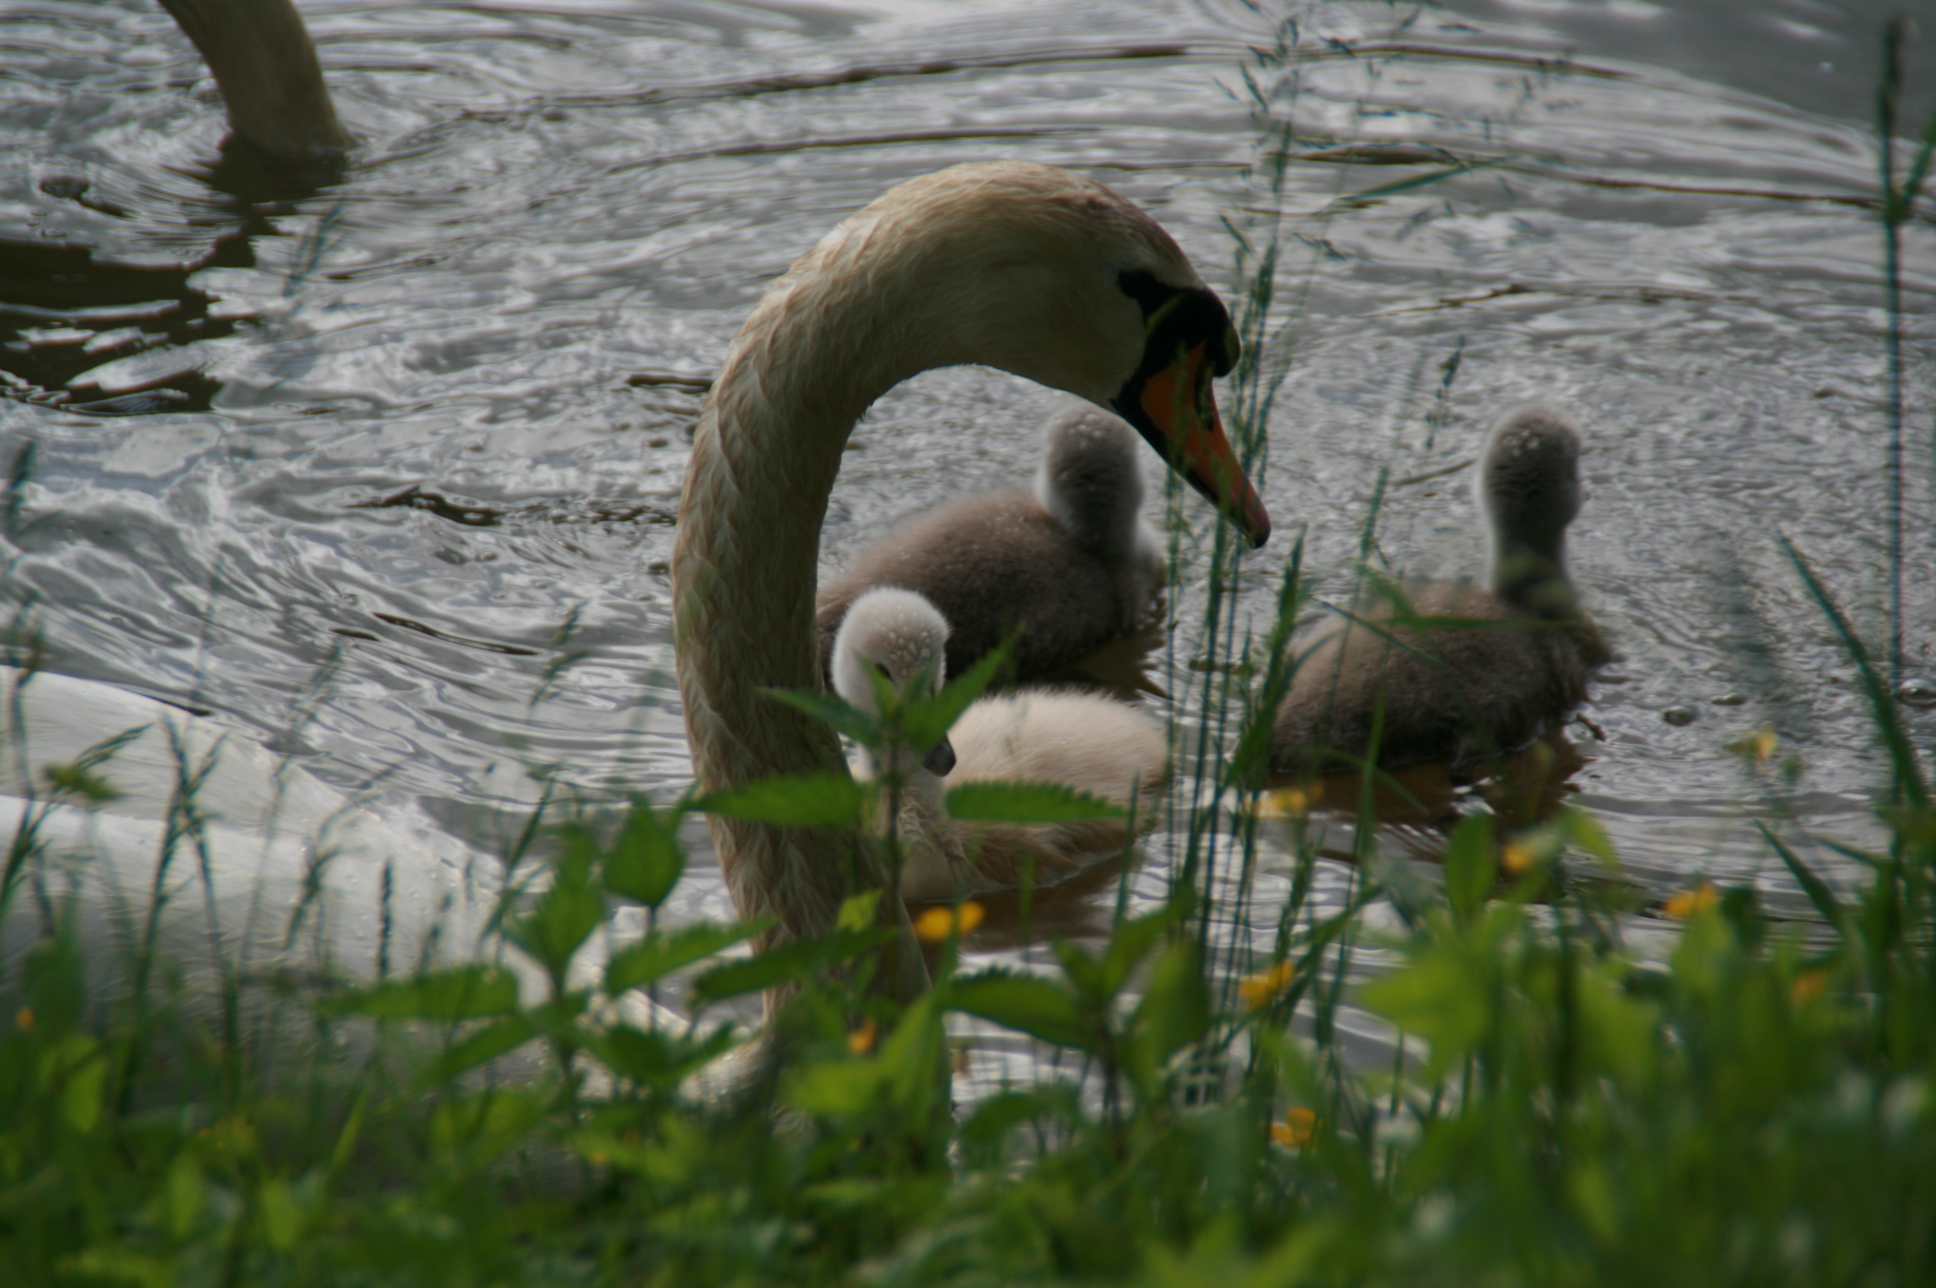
1175,410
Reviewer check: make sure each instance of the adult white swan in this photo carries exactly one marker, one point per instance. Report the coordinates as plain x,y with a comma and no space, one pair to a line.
1023,267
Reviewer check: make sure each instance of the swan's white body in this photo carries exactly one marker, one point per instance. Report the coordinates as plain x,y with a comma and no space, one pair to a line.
1027,268
1460,692
1080,740
1065,569
273,869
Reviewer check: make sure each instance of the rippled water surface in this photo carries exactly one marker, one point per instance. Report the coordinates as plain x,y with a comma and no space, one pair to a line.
377,452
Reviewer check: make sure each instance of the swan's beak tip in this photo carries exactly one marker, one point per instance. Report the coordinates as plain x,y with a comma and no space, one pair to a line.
1257,526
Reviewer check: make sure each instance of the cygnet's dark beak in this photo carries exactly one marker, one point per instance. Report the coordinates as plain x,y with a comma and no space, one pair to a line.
940,759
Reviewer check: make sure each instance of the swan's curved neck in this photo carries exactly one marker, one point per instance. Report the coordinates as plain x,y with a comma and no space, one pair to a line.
260,54
820,347
765,453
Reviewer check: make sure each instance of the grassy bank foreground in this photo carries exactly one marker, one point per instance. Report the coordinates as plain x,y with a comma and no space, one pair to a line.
1756,1107
1753,1103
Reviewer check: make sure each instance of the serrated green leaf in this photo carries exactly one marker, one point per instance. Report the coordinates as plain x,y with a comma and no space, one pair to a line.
1441,998
859,911
1084,970
464,993
1128,945
1002,802
486,1044
1026,1003
988,1128
915,1056
793,960
834,711
806,800
1585,831
658,955
834,1088
1174,1012
565,915
647,860
660,1059
926,722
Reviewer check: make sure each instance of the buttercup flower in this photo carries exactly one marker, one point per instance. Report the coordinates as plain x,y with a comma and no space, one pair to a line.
936,924
1261,989
1292,801
1296,1128
1808,986
1690,902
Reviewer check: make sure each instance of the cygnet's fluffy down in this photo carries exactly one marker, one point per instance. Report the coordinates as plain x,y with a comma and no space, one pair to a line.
1460,693
1090,743
1071,567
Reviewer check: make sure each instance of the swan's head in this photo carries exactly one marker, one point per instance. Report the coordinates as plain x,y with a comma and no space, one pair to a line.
1054,277
900,635
1091,480
1529,488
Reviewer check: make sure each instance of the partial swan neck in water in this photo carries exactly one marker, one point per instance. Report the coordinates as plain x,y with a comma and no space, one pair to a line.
260,54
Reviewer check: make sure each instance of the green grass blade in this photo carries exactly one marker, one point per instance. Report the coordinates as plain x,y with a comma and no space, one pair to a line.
1882,706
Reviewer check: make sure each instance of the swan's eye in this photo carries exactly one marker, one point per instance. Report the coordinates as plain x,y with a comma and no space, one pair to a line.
1177,319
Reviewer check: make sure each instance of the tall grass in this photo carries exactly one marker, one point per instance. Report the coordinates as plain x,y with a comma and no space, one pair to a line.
1755,1106
1900,192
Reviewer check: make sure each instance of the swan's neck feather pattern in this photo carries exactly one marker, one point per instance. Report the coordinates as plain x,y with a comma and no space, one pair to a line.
969,265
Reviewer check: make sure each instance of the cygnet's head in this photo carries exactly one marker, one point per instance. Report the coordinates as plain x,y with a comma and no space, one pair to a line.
1091,480
900,634
1529,488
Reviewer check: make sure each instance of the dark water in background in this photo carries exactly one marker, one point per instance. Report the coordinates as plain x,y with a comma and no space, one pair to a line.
390,423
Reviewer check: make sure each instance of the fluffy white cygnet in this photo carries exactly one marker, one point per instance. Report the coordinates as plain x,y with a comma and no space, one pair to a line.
1091,743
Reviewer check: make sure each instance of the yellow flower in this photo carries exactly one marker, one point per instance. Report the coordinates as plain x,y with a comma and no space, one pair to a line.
1808,986
1263,988
24,1018
1290,802
1689,903
936,924
861,1040
1516,858
1757,746
1296,1128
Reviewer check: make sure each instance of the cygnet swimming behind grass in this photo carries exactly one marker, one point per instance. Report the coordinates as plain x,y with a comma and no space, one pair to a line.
1091,743
1463,692
1070,567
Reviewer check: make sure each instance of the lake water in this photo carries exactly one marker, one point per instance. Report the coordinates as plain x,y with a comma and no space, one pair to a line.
384,438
